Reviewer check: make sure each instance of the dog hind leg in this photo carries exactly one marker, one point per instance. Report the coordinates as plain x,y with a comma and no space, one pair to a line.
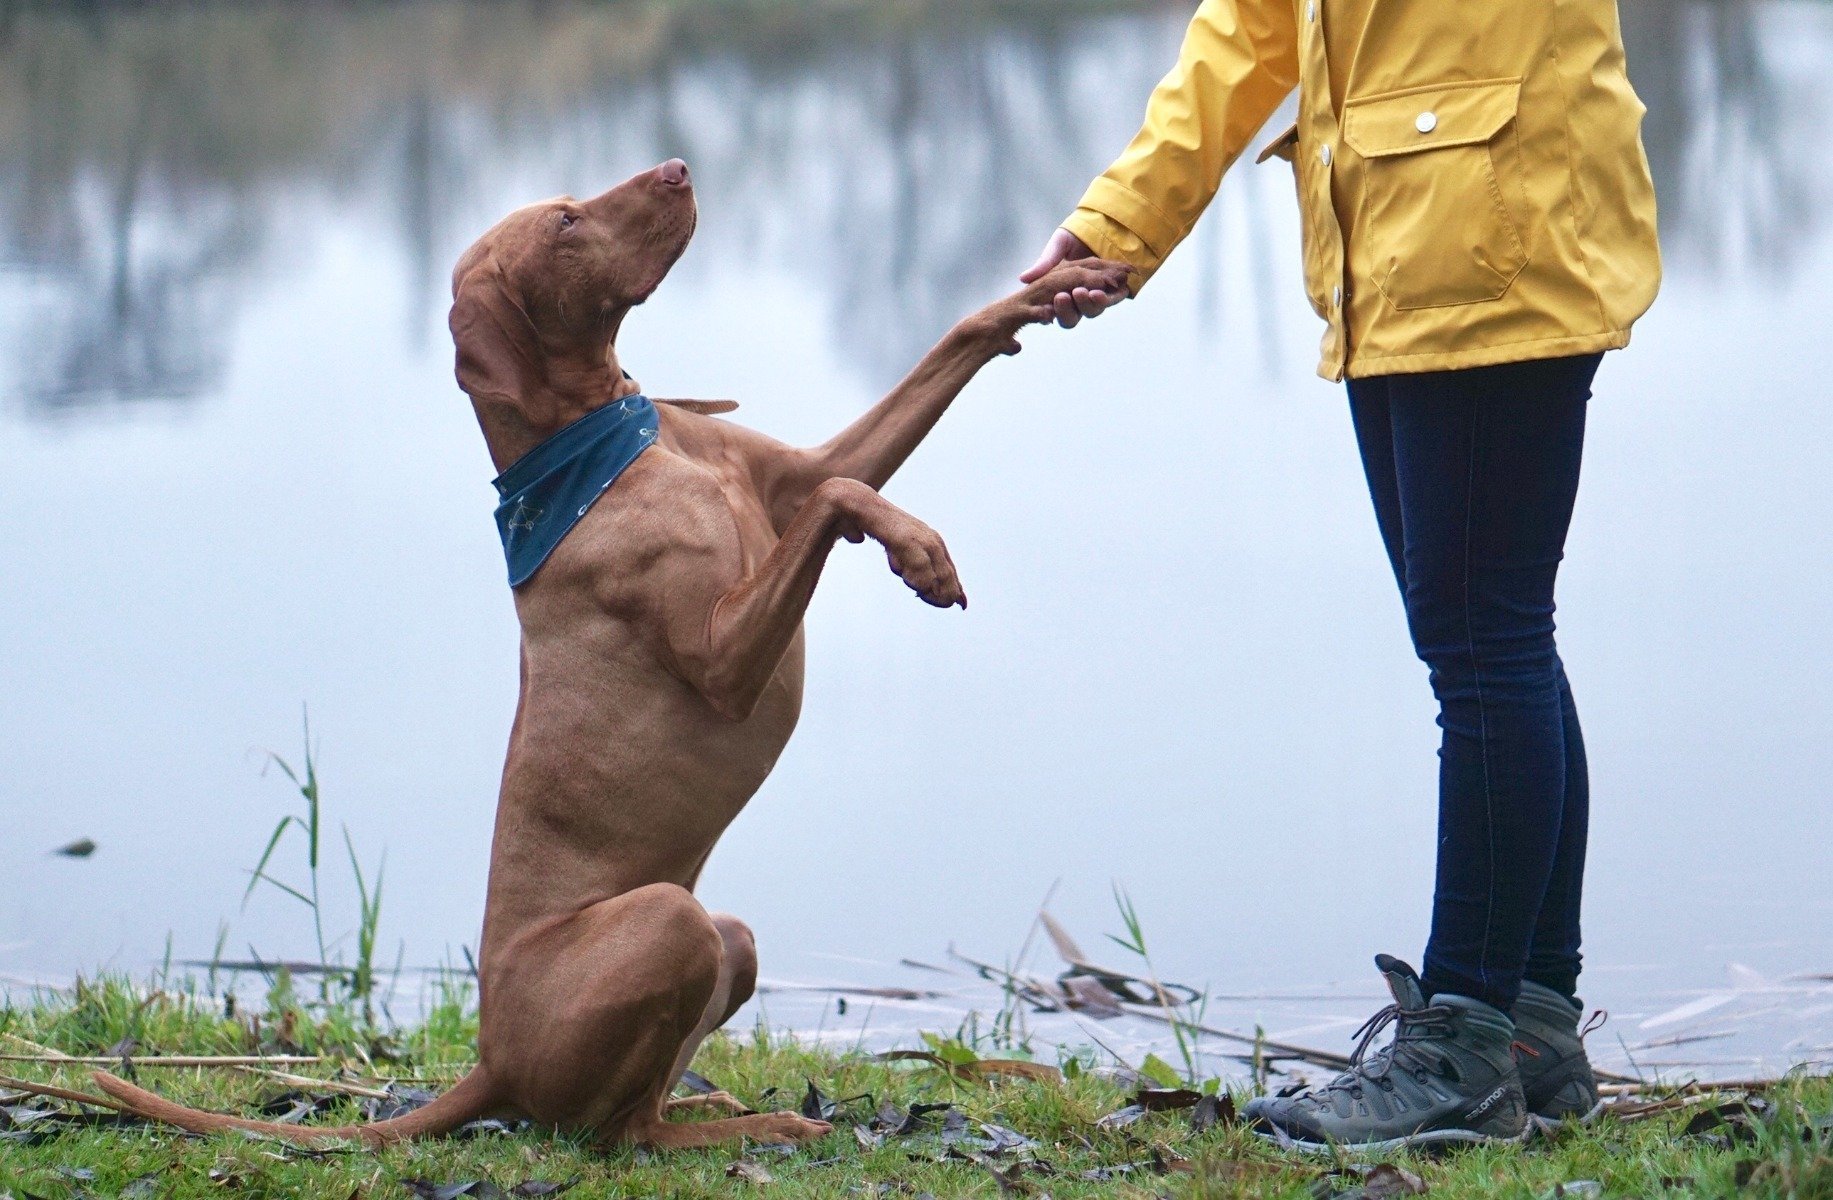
735,985
622,994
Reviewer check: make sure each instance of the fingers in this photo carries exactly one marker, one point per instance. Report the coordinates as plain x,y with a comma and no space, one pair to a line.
1048,259
1095,274
1068,308
1062,245
1070,291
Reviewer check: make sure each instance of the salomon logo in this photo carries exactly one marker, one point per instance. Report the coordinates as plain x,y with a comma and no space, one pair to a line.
1489,1102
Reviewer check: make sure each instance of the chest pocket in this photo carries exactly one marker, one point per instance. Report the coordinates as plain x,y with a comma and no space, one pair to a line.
1435,217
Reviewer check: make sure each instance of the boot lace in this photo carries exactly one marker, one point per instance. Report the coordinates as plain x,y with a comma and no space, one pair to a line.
1411,1026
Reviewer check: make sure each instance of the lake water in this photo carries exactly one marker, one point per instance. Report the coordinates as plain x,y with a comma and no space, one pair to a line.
238,478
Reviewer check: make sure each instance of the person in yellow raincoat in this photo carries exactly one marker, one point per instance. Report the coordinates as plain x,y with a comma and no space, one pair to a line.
1479,227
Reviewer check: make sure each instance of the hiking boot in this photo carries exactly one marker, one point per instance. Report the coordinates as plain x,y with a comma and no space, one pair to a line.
1448,1076
1556,1076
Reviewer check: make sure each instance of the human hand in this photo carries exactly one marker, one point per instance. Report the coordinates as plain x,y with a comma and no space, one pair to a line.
1094,282
1071,306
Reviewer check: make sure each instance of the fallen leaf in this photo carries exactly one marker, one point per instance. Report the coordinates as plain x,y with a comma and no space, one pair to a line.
1732,1122
1164,1099
1388,1180
1165,1159
1083,993
1577,1189
749,1171
816,1106
401,1100
1378,1183
292,1107
698,1084
1211,1111
483,1127
1121,1118
227,1175
1000,1140
477,1189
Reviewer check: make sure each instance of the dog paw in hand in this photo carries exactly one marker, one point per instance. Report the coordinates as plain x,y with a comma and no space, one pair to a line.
1069,292
1091,274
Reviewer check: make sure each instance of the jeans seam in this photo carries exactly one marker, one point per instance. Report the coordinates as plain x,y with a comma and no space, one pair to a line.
1476,675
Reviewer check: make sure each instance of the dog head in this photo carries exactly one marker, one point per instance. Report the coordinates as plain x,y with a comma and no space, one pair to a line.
537,301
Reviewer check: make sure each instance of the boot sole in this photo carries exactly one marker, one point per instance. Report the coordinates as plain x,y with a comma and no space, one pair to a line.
1429,1137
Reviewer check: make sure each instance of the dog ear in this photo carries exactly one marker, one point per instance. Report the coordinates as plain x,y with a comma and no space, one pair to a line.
498,349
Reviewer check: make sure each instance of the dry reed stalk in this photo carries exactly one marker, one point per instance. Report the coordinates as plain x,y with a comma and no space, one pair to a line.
167,1060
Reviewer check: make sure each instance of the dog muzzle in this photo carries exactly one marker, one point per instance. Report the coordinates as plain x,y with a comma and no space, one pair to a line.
544,493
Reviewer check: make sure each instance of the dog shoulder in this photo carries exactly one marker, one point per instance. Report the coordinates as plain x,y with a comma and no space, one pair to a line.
777,474
663,532
672,504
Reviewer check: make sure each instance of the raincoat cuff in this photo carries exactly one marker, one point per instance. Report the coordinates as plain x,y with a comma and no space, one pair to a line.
1148,222
1113,241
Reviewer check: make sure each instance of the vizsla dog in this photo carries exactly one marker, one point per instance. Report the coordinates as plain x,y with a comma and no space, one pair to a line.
661,670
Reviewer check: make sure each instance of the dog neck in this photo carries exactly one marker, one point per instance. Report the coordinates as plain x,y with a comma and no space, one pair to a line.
572,386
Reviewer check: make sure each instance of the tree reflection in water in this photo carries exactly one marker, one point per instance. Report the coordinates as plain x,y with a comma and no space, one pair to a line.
153,162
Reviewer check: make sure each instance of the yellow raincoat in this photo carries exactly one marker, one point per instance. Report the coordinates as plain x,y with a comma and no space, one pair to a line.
1470,172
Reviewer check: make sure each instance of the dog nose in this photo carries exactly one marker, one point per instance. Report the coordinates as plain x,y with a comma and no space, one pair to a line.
673,172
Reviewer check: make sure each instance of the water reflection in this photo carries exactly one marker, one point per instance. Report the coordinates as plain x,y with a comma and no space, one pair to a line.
154,165
1731,195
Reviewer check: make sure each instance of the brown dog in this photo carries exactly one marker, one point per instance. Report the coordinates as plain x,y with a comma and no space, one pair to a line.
661,674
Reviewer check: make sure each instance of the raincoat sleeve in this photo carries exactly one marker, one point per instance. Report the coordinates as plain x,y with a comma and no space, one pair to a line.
1239,61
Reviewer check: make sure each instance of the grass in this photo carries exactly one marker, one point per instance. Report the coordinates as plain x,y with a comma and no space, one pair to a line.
338,986
1787,1155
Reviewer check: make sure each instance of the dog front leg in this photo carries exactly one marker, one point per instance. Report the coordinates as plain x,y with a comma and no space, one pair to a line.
872,448
751,625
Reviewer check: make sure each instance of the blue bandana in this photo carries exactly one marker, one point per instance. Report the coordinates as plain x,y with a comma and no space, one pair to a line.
547,490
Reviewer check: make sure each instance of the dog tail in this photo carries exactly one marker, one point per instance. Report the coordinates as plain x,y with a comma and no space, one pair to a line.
467,1100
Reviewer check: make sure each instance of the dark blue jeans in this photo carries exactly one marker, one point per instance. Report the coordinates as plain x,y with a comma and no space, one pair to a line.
1473,475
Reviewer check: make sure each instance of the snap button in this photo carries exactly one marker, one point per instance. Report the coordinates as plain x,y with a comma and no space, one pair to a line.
1323,153
1426,122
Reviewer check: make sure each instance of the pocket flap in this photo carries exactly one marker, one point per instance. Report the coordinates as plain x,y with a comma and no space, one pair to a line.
1426,118
1284,146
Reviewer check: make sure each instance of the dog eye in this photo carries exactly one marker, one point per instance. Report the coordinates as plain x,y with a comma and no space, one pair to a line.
567,220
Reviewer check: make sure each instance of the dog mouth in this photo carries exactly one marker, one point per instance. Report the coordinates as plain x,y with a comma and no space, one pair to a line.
680,235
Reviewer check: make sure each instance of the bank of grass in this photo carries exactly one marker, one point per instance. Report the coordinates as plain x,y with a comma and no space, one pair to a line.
1158,1155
